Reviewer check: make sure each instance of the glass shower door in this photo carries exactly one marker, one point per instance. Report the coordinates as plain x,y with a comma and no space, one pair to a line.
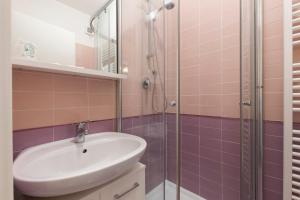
149,95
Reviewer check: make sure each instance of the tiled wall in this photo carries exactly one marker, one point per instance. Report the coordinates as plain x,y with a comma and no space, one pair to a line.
46,106
210,80
45,99
23,139
273,99
273,60
139,116
150,127
211,156
210,95
137,100
210,58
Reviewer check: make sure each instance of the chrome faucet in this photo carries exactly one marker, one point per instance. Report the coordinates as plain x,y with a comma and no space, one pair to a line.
81,131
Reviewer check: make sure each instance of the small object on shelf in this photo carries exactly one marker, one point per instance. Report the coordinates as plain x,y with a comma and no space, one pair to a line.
29,50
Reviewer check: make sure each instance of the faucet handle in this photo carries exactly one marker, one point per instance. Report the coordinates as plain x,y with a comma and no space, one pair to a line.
82,125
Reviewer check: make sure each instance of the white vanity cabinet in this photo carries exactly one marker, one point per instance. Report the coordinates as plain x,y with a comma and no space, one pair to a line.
130,186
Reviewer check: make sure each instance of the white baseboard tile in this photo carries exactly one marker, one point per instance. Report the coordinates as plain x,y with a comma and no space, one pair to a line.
158,193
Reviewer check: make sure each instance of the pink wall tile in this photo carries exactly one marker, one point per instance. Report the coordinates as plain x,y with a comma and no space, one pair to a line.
45,99
27,81
191,7
26,100
86,56
102,112
101,100
70,100
65,83
26,119
101,86
70,115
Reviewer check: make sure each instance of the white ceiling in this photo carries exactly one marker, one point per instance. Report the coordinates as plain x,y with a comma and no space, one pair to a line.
87,6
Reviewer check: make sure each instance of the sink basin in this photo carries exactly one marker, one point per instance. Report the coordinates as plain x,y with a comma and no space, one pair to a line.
64,167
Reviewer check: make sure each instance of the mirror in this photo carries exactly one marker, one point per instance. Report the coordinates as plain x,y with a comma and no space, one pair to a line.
72,33
106,37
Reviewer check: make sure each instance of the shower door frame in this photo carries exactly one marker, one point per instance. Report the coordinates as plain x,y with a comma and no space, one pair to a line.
119,107
178,121
256,101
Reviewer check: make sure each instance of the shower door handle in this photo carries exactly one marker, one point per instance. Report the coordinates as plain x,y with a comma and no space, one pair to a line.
172,103
246,103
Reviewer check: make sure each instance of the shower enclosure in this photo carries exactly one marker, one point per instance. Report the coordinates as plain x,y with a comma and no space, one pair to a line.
194,93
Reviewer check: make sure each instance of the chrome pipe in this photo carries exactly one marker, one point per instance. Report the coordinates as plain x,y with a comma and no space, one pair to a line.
97,13
119,105
178,121
259,97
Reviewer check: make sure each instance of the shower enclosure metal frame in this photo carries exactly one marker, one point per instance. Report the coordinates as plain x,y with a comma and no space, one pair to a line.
178,121
119,68
255,103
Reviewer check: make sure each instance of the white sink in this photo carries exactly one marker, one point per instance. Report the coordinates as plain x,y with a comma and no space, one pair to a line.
62,167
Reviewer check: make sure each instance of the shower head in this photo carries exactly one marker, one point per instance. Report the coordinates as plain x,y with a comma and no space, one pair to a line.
168,4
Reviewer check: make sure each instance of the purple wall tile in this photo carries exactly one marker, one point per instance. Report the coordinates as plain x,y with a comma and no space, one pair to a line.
156,173
273,142
210,194
273,184
64,132
232,171
190,162
230,147
102,126
28,138
273,170
210,133
211,175
190,120
213,122
210,151
151,128
127,123
273,128
139,121
230,194
210,144
210,185
231,124
209,164
273,156
271,195
231,159
190,144
190,181
231,182
189,129
231,136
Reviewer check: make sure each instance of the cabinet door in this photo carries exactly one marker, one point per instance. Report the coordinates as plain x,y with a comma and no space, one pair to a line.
127,188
